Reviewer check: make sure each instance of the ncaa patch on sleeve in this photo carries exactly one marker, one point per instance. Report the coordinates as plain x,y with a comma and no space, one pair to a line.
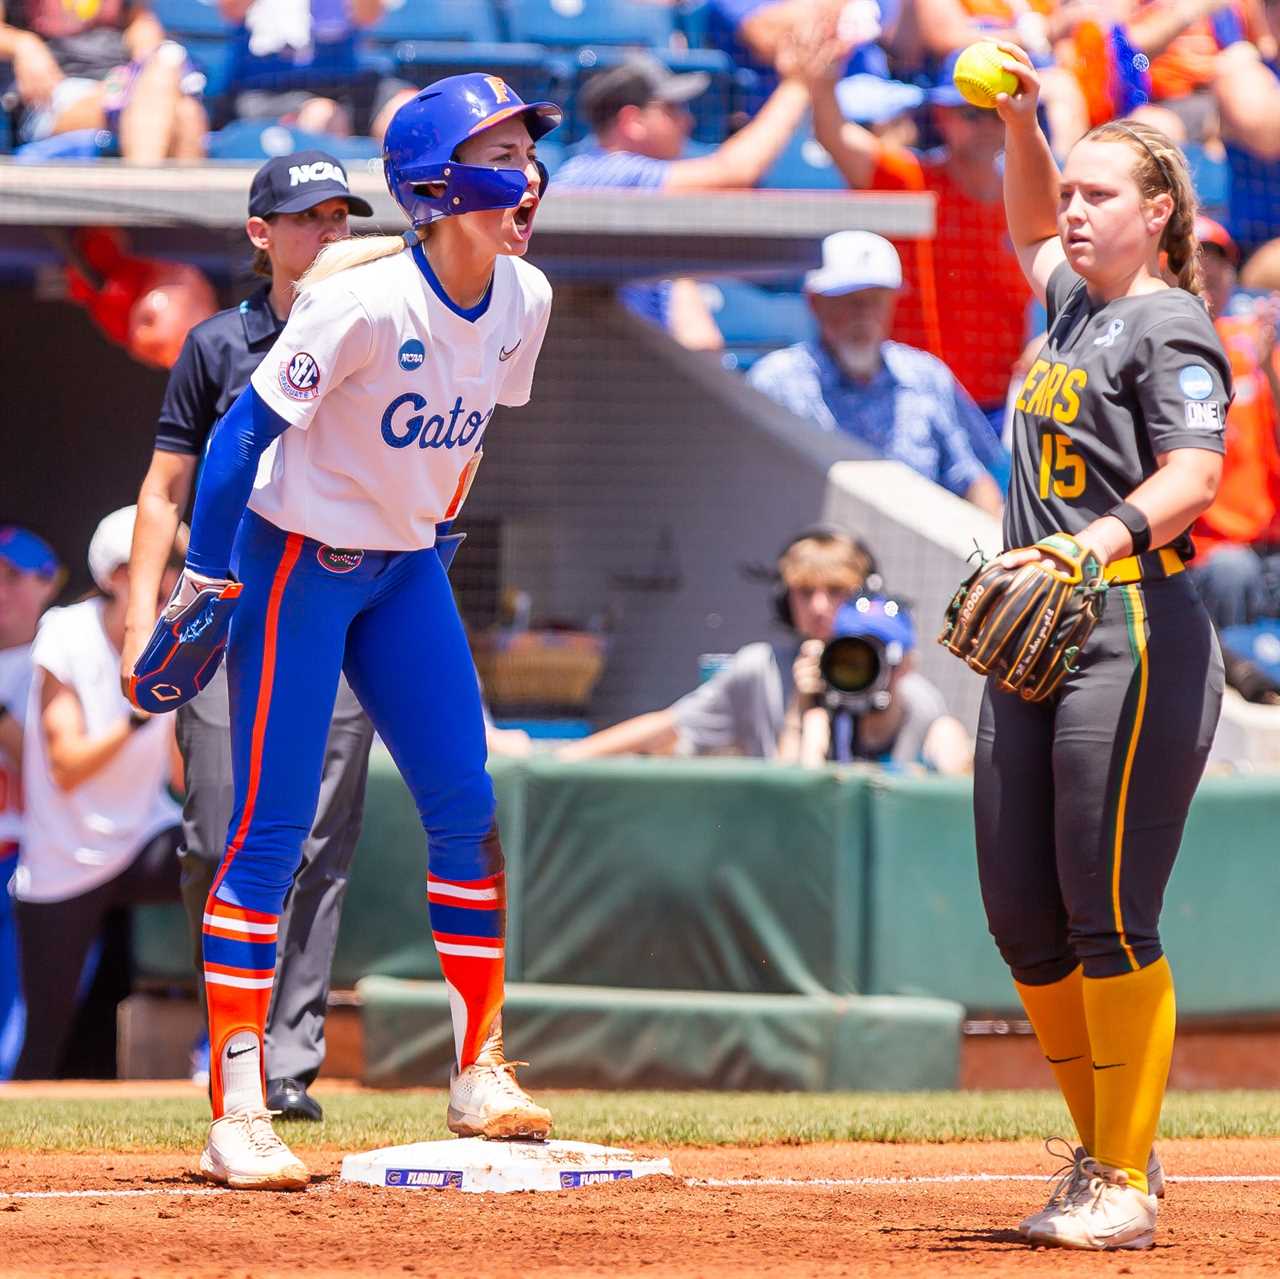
1196,382
300,377
1204,415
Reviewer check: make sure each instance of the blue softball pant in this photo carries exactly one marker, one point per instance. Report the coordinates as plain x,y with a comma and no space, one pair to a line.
387,619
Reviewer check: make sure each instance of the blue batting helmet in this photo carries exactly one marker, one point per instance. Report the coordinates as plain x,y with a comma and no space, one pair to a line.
421,141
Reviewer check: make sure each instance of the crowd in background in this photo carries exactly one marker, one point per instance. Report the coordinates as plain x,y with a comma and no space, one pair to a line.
912,349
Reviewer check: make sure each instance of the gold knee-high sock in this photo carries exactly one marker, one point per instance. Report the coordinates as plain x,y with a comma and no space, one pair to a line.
1056,1013
1131,1027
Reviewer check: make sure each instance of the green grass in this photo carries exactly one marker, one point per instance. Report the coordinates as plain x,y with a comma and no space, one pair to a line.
364,1120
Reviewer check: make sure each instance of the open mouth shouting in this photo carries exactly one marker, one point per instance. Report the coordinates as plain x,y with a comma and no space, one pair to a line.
522,218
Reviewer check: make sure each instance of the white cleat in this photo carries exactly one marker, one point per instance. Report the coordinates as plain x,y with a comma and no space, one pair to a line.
1109,1214
1071,1183
486,1101
243,1152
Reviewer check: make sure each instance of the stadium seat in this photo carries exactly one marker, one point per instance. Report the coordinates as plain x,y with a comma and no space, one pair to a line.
803,166
1212,179
755,320
446,20
261,139
572,23
528,68
190,17
77,144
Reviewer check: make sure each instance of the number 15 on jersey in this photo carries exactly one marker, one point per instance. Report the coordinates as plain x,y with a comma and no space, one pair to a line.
1062,471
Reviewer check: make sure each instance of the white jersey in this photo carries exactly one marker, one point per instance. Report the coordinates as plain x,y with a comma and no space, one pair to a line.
78,839
15,684
389,388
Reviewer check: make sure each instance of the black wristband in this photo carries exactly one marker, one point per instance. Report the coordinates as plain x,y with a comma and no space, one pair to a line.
1136,522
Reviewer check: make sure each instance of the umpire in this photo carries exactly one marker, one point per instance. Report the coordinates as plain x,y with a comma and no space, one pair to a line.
297,204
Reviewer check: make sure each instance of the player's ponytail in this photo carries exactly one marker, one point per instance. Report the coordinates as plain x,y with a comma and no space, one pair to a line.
341,255
1162,167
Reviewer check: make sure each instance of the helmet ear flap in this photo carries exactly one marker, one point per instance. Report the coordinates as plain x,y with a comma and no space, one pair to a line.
543,178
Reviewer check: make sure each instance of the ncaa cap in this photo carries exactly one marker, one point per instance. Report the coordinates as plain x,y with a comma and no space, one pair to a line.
855,260
297,182
25,551
637,81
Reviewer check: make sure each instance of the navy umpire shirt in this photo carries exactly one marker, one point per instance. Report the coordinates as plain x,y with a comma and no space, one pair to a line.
213,367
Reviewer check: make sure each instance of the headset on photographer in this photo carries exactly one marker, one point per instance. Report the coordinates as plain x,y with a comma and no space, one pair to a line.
825,534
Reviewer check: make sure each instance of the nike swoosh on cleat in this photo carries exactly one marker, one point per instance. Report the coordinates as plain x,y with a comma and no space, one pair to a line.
231,1052
1110,1065
504,354
1058,1061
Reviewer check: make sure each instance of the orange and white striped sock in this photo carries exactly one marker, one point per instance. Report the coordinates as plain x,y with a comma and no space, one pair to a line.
239,972
468,925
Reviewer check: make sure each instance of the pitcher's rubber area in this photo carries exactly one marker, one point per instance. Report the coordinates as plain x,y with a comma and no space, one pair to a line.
651,1227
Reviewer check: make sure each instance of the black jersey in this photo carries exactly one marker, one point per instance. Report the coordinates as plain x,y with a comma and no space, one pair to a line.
213,367
1116,384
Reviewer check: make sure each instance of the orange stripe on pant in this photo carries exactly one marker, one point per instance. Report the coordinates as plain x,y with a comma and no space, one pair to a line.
244,1004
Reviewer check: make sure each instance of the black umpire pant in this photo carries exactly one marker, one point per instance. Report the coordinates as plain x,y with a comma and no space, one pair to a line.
1080,801
54,940
313,909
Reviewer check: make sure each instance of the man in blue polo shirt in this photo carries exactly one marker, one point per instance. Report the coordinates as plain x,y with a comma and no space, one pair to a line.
903,403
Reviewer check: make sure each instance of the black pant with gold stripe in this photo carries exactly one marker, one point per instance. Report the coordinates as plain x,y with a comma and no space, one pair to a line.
1080,801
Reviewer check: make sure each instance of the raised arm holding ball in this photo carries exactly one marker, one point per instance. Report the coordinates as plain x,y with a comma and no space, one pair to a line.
1091,743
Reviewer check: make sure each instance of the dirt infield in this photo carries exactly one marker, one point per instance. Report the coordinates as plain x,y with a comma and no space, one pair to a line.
652,1227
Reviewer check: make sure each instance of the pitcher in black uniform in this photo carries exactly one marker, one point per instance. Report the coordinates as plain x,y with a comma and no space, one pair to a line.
1080,800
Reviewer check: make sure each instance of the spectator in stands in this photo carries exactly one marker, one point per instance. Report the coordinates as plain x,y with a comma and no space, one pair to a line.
1237,565
756,705
966,299
100,828
1183,39
751,32
640,124
30,578
899,401
104,65
299,60
1247,92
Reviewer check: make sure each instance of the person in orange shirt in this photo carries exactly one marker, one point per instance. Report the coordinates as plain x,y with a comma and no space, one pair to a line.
1238,538
965,298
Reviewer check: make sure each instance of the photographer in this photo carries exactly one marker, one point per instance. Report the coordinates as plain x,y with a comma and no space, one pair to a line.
858,698
746,708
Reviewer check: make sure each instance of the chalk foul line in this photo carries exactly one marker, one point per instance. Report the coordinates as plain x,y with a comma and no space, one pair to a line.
713,1183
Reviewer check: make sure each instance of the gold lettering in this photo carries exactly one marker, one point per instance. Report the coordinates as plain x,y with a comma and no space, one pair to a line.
1034,373
1068,407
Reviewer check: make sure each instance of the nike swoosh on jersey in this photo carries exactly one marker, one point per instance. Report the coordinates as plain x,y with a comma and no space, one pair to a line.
504,354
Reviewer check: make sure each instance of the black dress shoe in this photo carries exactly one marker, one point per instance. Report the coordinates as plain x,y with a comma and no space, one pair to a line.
290,1098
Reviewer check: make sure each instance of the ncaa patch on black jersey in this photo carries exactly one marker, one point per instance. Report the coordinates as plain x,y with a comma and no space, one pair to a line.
1203,415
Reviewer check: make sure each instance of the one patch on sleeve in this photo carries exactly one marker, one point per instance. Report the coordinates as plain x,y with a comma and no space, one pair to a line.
300,377
1205,415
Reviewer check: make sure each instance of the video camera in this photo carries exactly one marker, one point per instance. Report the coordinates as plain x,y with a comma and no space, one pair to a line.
870,637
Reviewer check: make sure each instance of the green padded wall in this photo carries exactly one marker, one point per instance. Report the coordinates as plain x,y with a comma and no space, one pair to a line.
591,1037
690,875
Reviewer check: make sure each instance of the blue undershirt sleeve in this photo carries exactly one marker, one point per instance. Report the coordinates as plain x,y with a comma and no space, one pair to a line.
230,466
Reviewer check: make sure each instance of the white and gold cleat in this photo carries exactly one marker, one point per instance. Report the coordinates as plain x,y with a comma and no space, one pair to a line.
485,1099
243,1152
1108,1214
1070,1182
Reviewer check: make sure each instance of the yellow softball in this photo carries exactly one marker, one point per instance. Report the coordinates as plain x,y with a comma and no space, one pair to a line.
980,75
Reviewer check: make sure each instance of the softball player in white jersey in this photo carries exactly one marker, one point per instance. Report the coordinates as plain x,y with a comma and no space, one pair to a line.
377,398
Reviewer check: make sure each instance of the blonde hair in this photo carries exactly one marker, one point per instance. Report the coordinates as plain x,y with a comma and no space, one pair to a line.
342,255
1161,167
827,561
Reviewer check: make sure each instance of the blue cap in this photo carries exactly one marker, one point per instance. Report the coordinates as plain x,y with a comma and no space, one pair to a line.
871,99
27,552
876,617
943,91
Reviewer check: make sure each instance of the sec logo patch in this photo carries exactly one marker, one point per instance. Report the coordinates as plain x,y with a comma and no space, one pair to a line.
300,377
412,354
